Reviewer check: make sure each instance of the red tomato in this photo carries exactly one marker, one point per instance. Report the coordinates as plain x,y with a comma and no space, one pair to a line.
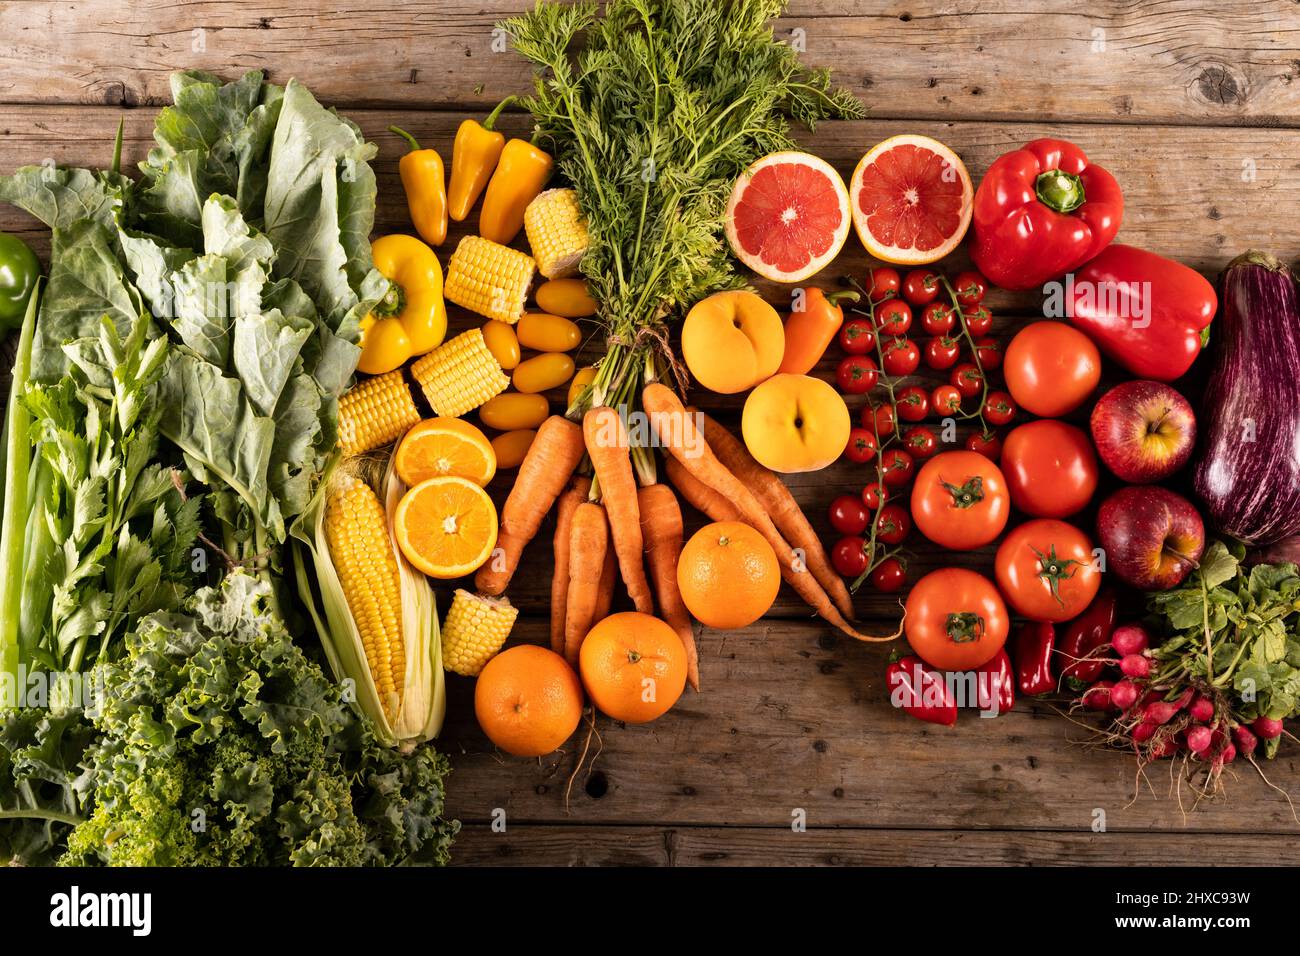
882,283
871,495
979,321
945,400
938,318
893,524
970,287
913,403
920,442
861,447
849,556
967,379
955,619
999,408
889,576
894,317
1047,571
989,353
942,352
856,374
988,444
902,357
1051,368
849,515
921,286
895,467
857,337
878,419
960,500
1050,467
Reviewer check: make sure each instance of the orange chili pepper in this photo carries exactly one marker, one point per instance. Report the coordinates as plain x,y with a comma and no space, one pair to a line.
809,331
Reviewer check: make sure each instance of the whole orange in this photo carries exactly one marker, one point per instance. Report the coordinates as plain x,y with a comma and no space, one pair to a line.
528,700
728,575
633,666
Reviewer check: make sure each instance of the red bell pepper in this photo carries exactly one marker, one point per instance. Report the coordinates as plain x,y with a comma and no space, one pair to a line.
1033,649
920,691
995,683
1041,211
1144,311
1080,647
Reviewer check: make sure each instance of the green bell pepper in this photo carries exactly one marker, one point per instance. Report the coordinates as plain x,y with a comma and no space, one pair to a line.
19,270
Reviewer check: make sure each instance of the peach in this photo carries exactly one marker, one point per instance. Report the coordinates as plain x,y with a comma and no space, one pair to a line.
732,341
795,423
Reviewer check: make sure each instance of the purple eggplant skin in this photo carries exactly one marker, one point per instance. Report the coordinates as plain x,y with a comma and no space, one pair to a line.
1247,470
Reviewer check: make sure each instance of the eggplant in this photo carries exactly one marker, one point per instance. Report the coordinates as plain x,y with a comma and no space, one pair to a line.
1248,467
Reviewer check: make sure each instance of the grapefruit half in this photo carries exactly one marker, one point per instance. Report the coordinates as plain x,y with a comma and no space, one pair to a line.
911,199
788,216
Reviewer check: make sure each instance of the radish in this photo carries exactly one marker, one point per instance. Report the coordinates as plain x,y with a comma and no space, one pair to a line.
1228,754
1161,711
1246,741
1144,731
1166,748
1135,665
1267,727
1097,697
1124,694
1198,739
1130,639
1201,709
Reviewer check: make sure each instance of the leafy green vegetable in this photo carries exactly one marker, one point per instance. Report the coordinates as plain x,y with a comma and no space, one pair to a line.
42,782
223,745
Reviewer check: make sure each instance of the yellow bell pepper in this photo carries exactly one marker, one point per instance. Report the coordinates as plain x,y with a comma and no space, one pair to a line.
425,184
474,157
520,175
412,318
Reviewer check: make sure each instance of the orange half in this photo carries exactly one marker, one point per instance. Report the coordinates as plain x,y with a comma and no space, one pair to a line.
437,447
446,527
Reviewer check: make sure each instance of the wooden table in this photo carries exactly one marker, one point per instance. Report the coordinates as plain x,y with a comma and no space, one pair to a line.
1192,104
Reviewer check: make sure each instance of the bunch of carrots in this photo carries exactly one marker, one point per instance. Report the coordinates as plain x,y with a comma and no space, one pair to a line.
608,527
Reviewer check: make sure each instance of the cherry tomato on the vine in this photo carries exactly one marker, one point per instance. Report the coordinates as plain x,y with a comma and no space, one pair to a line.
988,444
872,495
921,286
888,576
893,524
941,352
894,317
861,447
849,556
896,467
989,353
856,374
938,318
999,408
878,419
902,357
979,321
966,378
920,442
882,283
848,514
970,287
857,337
945,400
913,403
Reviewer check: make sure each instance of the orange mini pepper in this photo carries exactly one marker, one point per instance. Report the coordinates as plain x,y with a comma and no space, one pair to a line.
809,331
426,189
520,175
474,157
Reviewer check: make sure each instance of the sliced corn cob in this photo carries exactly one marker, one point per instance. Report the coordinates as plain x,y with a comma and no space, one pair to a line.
475,629
375,412
489,278
460,375
557,233
356,529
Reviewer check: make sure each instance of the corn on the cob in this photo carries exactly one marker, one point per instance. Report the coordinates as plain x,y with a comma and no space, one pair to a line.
356,530
375,412
489,278
557,233
475,629
460,375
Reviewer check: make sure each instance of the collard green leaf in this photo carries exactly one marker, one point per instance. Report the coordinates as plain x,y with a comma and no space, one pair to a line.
60,196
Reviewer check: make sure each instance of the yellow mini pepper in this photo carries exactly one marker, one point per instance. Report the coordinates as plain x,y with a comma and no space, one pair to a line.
474,156
520,175
426,189
412,318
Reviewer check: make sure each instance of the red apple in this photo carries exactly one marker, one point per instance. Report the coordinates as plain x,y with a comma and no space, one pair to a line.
1144,431
1153,537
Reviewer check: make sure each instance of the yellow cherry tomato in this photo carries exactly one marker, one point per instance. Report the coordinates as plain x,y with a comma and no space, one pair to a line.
511,411
502,343
566,297
580,381
548,333
511,447
542,372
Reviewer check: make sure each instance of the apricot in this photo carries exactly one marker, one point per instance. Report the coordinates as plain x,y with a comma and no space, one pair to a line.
795,423
732,341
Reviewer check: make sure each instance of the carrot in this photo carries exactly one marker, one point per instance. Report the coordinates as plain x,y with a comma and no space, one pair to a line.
568,503
705,500
661,527
676,431
780,504
588,539
608,580
550,461
607,446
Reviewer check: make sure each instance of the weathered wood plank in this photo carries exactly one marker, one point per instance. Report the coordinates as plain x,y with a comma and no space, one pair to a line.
592,845
792,718
1179,61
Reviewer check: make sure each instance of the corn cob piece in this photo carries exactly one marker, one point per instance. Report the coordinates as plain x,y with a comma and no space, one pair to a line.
375,412
557,233
460,375
489,278
475,629
356,530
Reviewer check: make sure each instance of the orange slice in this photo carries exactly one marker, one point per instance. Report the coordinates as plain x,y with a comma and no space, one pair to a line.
437,447
446,527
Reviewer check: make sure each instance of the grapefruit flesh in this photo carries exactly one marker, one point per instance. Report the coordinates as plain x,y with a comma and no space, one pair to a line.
788,216
911,200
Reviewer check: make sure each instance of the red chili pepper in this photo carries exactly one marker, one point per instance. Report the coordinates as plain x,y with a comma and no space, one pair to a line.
921,691
1033,648
1041,211
1083,636
996,678
1144,311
